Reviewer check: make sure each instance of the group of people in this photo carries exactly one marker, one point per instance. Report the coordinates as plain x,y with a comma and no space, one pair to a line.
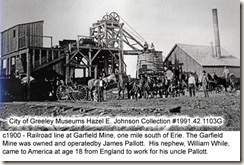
205,81
154,85
98,94
146,47
192,84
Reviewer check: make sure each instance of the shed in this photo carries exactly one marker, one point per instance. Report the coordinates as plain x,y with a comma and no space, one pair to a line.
21,36
196,58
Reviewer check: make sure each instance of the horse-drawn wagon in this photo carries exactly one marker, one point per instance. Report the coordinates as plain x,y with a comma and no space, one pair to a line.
74,90
85,89
67,92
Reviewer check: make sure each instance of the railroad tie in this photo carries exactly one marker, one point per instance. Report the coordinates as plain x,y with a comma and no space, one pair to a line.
88,110
67,108
51,106
76,108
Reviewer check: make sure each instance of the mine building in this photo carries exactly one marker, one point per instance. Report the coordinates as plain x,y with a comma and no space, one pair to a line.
27,54
196,58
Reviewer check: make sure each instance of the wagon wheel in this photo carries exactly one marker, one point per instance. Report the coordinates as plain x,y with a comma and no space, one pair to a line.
107,18
80,93
62,93
70,92
115,16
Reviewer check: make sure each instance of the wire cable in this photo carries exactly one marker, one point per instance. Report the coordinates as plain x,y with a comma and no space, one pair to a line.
134,30
133,34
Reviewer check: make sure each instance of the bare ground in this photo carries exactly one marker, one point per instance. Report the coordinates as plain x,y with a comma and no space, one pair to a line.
226,105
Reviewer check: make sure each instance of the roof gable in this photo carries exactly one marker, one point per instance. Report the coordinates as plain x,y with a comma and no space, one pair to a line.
22,24
203,55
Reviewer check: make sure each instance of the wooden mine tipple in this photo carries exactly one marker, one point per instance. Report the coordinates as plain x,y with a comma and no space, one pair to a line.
24,54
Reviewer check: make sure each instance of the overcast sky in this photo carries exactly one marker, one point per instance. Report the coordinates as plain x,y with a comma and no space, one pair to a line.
163,22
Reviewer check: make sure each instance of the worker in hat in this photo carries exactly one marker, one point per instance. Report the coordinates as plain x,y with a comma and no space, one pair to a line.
101,89
152,47
192,85
205,83
226,73
145,47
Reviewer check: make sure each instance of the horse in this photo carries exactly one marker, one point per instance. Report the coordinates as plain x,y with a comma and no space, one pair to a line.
159,86
140,87
121,86
137,87
225,82
163,87
212,84
155,89
221,81
155,86
93,85
172,87
148,88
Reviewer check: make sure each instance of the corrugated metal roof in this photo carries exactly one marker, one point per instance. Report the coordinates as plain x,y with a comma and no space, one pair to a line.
203,55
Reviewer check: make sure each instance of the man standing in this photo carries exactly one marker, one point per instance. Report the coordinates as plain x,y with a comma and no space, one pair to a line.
145,47
197,79
129,86
100,90
226,74
191,84
152,47
205,84
121,87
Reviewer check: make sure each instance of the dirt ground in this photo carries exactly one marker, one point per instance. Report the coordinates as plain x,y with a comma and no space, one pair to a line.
226,105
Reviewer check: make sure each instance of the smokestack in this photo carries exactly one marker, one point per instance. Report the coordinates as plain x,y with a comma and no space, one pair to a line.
216,33
212,49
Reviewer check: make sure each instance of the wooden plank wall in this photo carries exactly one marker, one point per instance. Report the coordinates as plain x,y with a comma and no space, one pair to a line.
9,40
33,31
219,70
189,64
22,36
150,59
14,38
